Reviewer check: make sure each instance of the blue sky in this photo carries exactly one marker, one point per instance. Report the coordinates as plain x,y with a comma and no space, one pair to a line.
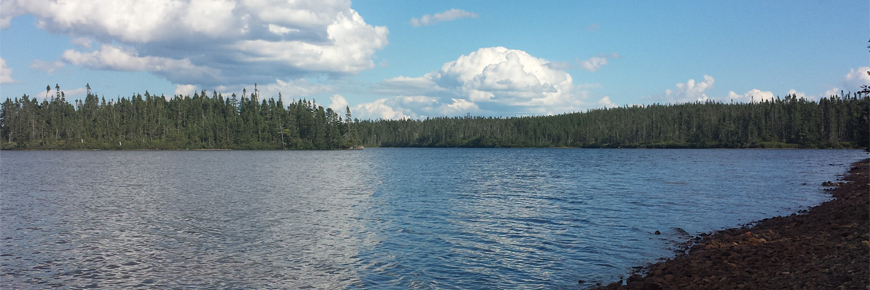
417,59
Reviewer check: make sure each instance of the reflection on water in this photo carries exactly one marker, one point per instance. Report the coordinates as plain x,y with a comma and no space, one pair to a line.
179,219
379,218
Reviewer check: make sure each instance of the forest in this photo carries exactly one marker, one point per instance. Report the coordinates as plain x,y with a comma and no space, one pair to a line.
790,122
217,122
182,122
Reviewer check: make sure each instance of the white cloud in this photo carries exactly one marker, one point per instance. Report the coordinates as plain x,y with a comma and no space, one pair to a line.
754,95
851,82
278,29
491,80
46,66
376,110
606,103
232,41
458,106
857,78
404,107
337,103
43,94
448,15
832,92
595,63
350,45
423,106
111,57
504,76
184,90
8,10
76,92
294,89
800,95
690,91
695,91
5,73
83,42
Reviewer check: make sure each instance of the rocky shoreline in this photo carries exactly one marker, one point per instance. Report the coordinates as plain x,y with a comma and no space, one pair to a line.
825,247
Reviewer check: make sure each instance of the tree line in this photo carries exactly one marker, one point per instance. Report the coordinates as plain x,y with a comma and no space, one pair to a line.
182,122
790,122
217,122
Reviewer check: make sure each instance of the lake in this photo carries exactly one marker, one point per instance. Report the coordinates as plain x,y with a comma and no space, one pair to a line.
380,218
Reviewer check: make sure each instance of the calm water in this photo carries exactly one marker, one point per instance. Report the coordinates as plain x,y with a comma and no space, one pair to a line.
379,218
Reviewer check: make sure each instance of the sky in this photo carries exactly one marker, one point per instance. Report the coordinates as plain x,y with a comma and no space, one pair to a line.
419,59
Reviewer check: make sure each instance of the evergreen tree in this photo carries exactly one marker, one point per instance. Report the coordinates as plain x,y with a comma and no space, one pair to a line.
202,121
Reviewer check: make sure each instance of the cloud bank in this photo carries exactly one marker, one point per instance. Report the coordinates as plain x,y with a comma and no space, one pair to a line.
754,95
448,15
851,82
490,81
209,42
692,91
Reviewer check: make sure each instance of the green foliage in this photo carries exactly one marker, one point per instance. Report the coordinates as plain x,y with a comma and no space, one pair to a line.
790,122
215,122
183,122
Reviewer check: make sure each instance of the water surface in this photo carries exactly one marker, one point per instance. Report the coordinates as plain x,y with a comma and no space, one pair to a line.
379,218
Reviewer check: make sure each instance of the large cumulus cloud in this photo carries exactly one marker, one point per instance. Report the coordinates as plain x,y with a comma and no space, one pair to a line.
210,42
489,81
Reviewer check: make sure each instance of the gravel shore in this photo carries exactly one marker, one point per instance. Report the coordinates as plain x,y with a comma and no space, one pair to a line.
825,247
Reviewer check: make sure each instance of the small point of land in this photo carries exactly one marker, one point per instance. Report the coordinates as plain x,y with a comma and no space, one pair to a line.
826,247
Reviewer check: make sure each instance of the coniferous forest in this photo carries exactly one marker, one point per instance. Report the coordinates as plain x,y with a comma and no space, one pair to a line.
183,122
790,122
215,122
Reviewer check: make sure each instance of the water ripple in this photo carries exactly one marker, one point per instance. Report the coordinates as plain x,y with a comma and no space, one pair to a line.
381,218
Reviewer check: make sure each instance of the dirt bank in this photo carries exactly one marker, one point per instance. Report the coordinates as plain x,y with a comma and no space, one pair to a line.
826,247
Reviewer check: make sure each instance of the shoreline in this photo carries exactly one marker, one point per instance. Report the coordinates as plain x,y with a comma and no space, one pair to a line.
825,247
428,147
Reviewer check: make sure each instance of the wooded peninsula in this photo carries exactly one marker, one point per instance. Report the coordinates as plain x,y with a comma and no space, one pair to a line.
249,122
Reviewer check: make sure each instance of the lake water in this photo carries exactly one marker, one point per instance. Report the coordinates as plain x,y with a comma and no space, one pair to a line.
380,218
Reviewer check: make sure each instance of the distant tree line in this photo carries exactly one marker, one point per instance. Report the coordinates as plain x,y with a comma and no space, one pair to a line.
790,122
182,122
216,122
